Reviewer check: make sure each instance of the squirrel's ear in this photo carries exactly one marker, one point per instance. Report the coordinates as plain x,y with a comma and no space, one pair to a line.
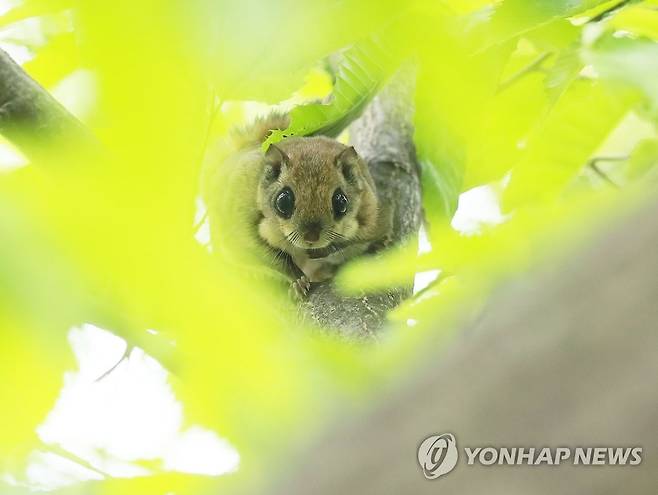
348,161
275,158
275,154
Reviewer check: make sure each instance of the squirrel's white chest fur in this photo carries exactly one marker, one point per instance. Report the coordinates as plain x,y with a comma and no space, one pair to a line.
318,269
321,269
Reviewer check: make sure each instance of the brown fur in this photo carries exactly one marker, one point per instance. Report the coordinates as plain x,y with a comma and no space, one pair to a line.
314,168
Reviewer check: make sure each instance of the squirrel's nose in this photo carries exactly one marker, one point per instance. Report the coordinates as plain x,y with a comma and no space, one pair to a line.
312,232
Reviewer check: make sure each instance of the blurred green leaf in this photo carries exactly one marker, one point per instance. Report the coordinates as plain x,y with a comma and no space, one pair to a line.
34,8
562,144
630,61
563,73
362,70
639,19
515,17
54,61
643,159
501,86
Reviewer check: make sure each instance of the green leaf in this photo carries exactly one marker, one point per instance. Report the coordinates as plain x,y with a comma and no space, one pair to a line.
563,73
361,73
34,8
632,62
262,50
442,156
441,184
452,98
515,17
643,159
554,35
640,19
572,132
57,59
506,124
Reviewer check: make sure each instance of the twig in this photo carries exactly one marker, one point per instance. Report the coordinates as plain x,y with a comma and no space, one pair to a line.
440,278
593,164
125,355
200,223
609,11
61,452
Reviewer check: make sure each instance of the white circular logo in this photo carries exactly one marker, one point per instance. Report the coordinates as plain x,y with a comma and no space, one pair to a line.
437,455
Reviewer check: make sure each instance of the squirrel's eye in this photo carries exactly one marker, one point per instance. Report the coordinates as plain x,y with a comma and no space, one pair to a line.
285,202
339,203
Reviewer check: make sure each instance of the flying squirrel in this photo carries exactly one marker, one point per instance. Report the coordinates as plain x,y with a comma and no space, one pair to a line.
303,207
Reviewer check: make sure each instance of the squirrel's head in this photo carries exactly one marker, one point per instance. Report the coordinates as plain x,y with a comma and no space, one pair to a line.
315,192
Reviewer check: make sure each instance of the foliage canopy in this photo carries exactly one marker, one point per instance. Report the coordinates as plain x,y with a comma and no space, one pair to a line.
517,95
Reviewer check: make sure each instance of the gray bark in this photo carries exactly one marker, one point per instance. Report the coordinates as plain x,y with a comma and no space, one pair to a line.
34,121
383,136
564,359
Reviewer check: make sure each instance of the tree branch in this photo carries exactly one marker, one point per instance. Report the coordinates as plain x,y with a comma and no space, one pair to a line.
383,136
46,132
33,120
560,360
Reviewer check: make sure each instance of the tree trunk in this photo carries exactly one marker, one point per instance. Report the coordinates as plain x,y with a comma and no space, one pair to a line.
383,136
34,121
566,360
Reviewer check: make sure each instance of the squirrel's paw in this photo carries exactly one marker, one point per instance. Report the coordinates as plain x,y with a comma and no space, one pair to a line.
299,288
380,245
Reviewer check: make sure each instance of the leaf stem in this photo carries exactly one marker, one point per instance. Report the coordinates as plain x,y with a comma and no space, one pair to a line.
531,67
593,164
610,10
61,452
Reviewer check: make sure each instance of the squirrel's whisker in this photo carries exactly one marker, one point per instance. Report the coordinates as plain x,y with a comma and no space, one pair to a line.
321,196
